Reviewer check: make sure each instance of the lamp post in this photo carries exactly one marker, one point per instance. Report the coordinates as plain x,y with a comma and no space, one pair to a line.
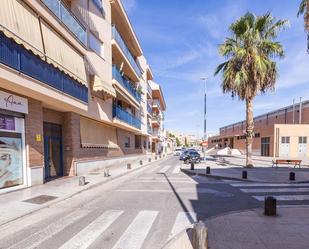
205,132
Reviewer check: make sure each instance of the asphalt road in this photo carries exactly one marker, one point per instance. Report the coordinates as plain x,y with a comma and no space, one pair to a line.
141,210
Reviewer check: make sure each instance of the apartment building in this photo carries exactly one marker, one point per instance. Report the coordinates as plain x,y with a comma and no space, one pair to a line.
158,106
74,89
281,133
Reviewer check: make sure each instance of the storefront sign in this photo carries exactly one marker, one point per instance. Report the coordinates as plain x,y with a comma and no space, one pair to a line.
13,102
7,122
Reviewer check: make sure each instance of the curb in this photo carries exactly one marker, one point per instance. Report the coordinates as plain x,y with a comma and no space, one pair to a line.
187,171
83,190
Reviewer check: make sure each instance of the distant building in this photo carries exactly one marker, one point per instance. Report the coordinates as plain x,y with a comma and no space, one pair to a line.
280,133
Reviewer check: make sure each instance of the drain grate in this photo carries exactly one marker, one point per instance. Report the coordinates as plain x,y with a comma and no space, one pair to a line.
41,199
94,173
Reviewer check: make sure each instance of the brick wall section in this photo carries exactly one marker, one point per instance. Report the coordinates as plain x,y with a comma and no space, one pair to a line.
34,126
72,145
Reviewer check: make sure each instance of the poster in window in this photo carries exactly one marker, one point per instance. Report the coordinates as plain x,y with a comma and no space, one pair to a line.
11,167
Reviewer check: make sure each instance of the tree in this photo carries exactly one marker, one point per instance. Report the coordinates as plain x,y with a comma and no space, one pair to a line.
186,142
249,69
178,142
304,10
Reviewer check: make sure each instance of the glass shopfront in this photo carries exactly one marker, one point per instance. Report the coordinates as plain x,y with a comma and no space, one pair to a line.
12,168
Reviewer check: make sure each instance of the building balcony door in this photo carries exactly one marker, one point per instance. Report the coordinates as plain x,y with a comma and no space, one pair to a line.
53,157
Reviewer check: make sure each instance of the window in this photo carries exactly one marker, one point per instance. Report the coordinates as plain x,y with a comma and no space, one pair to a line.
95,45
302,140
127,142
98,4
285,140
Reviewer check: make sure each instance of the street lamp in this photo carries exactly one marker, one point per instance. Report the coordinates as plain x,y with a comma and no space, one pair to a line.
205,132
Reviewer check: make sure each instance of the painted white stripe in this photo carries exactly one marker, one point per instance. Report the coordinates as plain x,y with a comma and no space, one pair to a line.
176,169
285,197
137,231
164,169
165,181
183,220
270,185
48,232
90,233
274,190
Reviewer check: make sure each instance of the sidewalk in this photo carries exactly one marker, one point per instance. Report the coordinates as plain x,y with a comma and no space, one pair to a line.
253,230
13,205
232,167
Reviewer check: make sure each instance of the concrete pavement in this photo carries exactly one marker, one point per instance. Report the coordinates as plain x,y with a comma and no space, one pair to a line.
144,209
253,230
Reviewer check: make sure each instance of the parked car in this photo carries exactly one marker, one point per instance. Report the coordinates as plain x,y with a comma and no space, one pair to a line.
192,156
184,153
177,152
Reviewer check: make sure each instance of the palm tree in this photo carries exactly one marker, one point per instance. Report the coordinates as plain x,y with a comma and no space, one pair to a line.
249,69
304,10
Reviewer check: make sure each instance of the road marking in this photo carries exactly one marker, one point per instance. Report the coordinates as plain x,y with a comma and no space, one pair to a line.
176,169
48,232
270,185
274,190
183,220
165,181
90,233
285,197
137,231
164,169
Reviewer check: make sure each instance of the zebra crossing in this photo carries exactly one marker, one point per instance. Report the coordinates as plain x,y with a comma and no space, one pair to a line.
132,238
287,193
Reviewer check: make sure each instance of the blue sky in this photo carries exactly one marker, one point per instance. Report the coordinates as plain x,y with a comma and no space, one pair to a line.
180,40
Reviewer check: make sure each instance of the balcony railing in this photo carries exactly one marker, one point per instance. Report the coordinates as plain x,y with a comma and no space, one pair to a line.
22,60
149,108
149,89
68,19
125,50
156,102
128,118
126,84
156,119
149,129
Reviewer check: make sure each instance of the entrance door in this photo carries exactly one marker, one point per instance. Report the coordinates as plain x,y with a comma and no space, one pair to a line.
53,159
302,146
265,146
285,147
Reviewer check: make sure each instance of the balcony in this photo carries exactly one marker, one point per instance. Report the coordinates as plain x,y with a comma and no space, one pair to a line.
117,37
149,129
149,108
156,104
126,84
156,120
149,90
17,57
126,117
68,19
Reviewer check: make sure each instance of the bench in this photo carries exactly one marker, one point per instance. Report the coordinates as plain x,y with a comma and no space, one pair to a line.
286,161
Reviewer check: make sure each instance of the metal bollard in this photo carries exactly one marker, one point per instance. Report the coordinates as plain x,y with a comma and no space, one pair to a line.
149,160
199,236
208,170
292,176
192,166
244,174
129,166
156,157
106,173
82,181
270,206
140,162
